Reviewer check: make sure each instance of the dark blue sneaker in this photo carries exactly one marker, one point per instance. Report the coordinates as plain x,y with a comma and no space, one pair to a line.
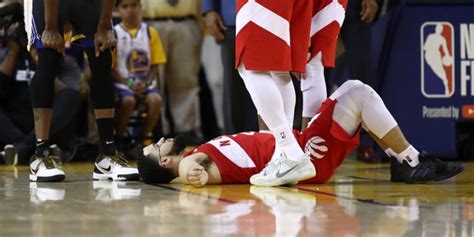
429,169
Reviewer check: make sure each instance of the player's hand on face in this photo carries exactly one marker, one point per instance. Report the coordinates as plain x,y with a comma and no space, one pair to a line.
103,40
197,176
369,10
52,39
215,25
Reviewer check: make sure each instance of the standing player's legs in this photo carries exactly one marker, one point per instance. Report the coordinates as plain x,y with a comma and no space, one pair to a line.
286,88
102,94
271,107
109,164
313,87
328,16
270,104
42,165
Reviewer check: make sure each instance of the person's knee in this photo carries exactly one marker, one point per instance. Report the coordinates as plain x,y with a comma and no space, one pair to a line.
361,93
353,83
42,84
128,103
281,77
153,100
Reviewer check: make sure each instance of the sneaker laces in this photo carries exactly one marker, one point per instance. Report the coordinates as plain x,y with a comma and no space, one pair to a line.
49,162
119,158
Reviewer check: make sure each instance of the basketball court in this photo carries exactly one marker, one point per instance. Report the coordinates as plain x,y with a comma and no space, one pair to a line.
359,201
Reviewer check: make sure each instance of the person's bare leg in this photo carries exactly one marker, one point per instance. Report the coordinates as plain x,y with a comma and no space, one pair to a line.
104,113
359,104
395,140
126,108
153,102
304,122
42,122
261,124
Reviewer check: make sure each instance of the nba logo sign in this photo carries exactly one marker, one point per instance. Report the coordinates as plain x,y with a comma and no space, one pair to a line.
437,59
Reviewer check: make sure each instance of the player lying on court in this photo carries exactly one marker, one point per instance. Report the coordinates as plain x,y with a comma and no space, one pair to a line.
331,135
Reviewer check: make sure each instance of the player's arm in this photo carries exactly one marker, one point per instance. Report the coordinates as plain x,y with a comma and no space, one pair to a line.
51,38
118,78
153,75
192,173
104,38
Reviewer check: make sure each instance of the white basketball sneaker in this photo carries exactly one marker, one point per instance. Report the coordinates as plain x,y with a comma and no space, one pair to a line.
285,200
113,191
40,193
284,171
114,168
45,169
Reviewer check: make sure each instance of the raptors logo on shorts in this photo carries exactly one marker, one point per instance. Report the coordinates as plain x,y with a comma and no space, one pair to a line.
316,147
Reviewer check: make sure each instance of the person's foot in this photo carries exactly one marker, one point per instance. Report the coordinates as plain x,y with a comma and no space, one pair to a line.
45,169
10,155
114,168
429,169
284,171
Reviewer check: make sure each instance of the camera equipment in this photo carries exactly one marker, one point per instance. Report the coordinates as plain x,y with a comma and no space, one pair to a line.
9,15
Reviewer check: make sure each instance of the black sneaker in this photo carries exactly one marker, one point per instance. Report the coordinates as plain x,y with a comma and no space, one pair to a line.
429,169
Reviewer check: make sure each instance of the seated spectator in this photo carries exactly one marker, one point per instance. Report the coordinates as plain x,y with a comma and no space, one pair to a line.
139,52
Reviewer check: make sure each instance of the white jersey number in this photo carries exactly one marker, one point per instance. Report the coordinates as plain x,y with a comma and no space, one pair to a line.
233,151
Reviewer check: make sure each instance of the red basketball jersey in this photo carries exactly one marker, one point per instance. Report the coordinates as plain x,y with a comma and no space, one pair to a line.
328,16
239,156
242,155
273,35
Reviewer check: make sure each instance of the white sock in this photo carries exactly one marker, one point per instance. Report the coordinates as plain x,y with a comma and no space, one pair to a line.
287,142
410,155
284,84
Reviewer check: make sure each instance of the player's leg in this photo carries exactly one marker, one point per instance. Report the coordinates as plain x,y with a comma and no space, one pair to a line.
109,164
313,87
359,104
42,165
270,106
286,88
269,103
153,102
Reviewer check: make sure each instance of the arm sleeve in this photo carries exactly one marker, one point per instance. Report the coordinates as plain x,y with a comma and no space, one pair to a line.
157,52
